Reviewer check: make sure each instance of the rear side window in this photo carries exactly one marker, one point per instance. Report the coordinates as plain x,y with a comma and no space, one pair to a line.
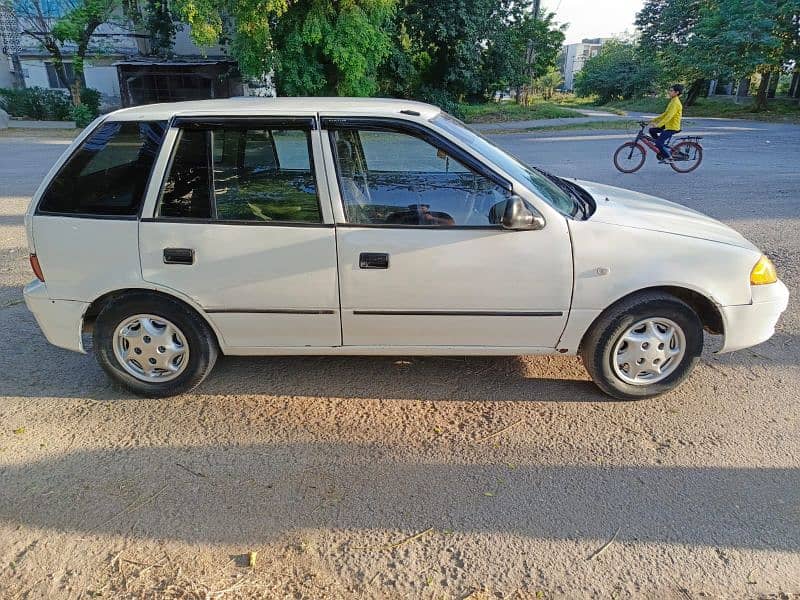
242,174
108,174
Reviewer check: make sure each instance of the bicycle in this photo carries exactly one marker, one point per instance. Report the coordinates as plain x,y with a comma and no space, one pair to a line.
687,154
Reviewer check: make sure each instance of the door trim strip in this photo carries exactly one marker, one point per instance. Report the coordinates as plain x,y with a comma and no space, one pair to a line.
269,311
447,313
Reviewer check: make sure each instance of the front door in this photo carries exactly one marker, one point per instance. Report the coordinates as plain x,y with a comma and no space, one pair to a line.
239,228
423,258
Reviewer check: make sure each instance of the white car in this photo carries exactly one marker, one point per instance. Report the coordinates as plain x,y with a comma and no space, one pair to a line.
177,232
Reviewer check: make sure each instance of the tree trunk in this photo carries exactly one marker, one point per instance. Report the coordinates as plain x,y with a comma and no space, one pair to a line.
743,89
774,80
763,88
19,78
794,88
694,91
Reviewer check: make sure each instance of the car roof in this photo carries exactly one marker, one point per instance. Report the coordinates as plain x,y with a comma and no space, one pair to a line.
277,106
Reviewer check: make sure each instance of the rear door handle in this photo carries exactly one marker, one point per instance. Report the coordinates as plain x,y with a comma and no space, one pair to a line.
373,260
178,256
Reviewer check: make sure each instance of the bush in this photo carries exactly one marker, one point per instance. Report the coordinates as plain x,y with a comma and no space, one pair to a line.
441,99
90,98
82,115
618,72
37,103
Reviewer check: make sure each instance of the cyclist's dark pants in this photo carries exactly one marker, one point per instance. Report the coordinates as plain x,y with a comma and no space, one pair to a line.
662,137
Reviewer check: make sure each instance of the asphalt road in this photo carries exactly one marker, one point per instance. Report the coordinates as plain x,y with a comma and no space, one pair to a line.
419,477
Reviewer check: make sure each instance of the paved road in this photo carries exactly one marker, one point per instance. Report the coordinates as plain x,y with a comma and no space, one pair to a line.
514,471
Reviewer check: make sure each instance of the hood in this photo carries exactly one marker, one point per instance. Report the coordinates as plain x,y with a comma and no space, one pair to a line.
626,208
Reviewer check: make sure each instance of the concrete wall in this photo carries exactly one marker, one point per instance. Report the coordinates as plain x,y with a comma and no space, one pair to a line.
6,79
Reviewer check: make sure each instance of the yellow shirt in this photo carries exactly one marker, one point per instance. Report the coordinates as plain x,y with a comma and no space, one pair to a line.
671,118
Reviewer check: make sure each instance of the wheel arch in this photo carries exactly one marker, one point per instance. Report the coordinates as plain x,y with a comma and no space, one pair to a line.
95,307
706,309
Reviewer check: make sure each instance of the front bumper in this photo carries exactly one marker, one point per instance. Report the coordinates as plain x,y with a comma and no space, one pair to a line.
61,321
751,324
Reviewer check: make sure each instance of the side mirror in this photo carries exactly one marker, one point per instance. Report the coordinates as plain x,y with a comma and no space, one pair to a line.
519,216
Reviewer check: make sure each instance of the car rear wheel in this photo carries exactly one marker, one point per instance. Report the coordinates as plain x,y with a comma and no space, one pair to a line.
154,346
643,346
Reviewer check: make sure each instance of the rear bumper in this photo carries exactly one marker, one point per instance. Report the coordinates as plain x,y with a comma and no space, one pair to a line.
751,324
61,321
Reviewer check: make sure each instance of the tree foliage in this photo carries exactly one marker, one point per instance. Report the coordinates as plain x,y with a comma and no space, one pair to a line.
332,48
619,71
55,23
524,50
694,40
314,47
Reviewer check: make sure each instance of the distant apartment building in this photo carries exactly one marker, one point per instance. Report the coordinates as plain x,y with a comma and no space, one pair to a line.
574,56
120,64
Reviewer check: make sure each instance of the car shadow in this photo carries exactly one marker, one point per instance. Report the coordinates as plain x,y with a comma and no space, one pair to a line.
258,493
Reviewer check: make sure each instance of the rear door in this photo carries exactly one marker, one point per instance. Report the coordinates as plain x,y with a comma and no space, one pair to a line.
243,227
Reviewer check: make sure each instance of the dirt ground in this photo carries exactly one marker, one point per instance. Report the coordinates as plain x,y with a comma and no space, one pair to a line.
406,477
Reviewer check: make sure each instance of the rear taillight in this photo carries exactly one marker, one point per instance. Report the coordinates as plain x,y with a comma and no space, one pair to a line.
37,268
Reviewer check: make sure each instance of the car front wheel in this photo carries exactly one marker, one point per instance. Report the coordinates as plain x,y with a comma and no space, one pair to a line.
154,346
643,346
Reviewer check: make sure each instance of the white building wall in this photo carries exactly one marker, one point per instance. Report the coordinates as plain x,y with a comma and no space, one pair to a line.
35,73
104,79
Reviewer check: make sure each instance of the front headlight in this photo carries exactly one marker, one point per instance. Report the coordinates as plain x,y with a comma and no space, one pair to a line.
763,272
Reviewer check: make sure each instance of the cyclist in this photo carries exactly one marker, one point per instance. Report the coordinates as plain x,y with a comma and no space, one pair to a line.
668,123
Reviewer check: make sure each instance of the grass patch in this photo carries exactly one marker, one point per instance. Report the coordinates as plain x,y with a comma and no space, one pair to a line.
23,132
502,112
587,103
780,110
616,125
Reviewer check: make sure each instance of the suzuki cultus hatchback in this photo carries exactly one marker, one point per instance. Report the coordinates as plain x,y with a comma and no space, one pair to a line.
177,232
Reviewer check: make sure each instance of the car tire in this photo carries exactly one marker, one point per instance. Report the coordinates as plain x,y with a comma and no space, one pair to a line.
191,354
658,329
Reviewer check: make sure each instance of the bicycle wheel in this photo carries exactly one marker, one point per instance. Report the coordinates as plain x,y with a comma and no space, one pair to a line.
629,157
686,157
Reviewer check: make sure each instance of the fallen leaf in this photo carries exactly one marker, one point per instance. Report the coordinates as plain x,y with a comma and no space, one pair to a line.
19,431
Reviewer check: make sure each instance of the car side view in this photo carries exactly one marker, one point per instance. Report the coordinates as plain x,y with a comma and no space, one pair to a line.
174,233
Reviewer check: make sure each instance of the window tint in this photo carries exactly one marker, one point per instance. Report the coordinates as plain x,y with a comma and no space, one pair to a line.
393,178
108,174
187,191
256,174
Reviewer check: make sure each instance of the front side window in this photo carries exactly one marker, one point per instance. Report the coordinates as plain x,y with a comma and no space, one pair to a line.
242,174
395,178
530,178
108,174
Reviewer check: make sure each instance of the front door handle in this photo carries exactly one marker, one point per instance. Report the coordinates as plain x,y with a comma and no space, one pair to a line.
178,256
373,260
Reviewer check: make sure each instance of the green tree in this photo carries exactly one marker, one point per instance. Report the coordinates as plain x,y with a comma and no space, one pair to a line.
314,47
526,49
739,37
57,23
332,48
619,71
450,38
666,28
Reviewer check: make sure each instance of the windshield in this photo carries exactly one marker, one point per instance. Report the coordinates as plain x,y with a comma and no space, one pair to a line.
533,180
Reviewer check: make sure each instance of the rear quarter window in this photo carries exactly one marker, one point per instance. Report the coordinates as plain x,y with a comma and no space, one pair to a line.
108,174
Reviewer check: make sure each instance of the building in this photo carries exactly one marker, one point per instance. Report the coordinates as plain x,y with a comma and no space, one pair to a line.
574,56
120,63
